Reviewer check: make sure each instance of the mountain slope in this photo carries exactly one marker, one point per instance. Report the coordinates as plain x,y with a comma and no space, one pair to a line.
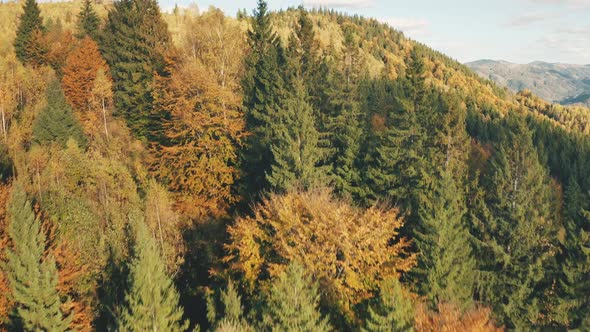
555,82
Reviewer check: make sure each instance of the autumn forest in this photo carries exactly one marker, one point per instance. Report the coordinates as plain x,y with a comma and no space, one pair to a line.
297,170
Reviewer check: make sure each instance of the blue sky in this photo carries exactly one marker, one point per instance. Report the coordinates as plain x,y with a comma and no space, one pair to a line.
519,31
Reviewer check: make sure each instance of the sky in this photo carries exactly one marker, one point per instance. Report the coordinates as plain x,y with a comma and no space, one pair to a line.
519,31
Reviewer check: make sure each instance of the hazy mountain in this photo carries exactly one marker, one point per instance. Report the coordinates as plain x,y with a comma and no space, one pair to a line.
555,82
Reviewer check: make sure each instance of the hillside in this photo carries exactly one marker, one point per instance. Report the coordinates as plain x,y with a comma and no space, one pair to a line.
300,170
560,83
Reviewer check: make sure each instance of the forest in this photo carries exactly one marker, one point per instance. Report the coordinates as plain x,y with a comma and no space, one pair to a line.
298,170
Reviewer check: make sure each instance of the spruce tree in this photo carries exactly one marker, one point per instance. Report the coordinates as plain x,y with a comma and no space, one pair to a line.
152,298
88,21
293,303
394,310
446,268
396,163
264,93
574,284
232,313
56,122
133,43
520,235
295,146
32,277
30,22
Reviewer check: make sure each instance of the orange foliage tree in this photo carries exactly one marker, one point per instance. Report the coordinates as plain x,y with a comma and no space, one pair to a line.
348,249
449,318
81,68
198,159
204,133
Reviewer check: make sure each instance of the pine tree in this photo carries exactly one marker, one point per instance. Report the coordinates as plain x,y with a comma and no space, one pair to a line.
295,147
264,93
56,122
88,21
152,299
394,310
32,277
293,303
30,22
133,43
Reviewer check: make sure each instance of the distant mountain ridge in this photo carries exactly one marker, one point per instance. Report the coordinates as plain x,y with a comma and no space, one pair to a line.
565,84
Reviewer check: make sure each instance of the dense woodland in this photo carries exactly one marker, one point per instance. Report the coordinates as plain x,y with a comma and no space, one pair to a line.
277,171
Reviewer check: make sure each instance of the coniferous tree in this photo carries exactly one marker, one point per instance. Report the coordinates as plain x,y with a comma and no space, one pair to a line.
519,237
394,310
396,164
30,22
446,267
56,122
32,277
233,312
264,92
133,43
293,303
574,284
88,21
295,147
152,299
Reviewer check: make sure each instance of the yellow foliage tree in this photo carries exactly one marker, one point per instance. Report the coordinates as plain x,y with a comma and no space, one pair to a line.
348,250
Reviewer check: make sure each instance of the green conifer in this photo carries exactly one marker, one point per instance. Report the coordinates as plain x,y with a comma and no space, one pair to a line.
394,310
133,43
152,299
293,303
520,236
446,269
30,21
295,147
88,21
32,277
264,92
56,122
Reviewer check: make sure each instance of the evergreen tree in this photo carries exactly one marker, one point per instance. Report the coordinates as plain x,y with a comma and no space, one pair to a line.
519,237
295,147
232,319
56,122
446,267
88,21
264,93
152,299
32,277
30,22
341,122
394,310
574,284
293,303
133,43
396,163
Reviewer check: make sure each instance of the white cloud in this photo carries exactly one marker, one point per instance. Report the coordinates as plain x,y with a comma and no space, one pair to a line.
339,3
528,19
572,43
412,27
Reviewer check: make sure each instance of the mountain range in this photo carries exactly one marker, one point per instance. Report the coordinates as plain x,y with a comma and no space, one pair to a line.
566,84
